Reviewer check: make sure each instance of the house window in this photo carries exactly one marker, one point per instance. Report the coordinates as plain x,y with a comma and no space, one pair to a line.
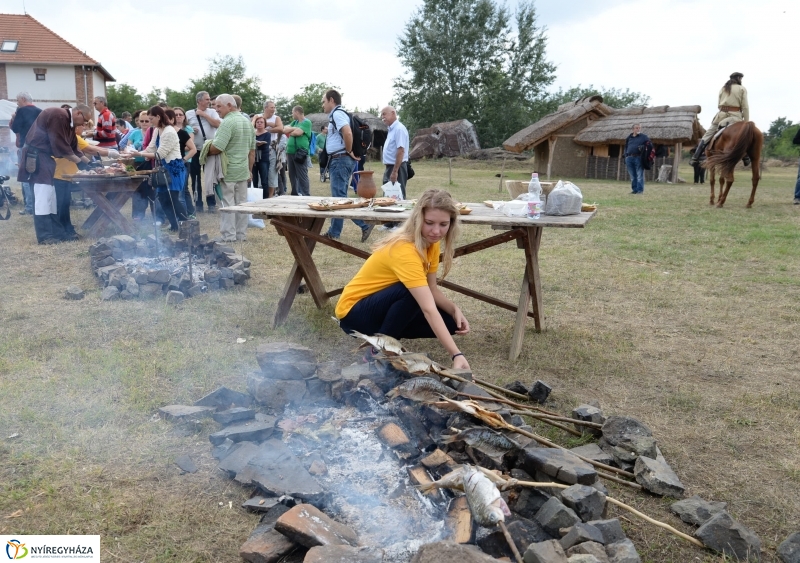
39,76
9,46
40,73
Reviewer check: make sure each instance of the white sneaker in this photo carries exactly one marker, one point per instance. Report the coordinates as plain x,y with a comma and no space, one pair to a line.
383,228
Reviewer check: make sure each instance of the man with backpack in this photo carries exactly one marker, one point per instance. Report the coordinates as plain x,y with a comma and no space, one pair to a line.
204,121
297,151
343,152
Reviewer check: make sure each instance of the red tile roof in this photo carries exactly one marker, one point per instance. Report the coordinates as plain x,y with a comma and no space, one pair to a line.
37,44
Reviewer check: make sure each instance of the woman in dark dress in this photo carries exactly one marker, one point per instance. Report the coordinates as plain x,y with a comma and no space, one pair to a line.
261,165
187,148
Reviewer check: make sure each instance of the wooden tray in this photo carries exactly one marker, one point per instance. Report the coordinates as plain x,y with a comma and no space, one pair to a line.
353,204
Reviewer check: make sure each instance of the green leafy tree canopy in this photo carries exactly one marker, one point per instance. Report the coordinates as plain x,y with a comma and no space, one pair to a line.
465,59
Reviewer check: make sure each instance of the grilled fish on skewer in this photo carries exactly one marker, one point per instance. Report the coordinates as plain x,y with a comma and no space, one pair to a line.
386,344
422,389
485,503
491,443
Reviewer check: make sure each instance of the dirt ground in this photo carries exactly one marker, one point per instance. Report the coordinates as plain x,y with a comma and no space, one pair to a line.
663,308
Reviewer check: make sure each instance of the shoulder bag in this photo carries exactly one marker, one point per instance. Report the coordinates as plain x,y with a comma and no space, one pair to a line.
160,177
300,154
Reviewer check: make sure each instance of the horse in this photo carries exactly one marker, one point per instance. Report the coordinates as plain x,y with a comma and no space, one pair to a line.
735,141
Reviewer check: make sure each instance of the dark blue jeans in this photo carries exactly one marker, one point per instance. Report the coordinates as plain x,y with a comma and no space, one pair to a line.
261,176
636,172
340,169
394,312
797,186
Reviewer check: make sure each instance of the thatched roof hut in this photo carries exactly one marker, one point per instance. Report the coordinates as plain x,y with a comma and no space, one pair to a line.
664,125
586,138
566,114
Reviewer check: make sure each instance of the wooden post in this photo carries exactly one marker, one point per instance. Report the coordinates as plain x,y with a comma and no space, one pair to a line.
502,170
450,165
619,161
676,160
551,147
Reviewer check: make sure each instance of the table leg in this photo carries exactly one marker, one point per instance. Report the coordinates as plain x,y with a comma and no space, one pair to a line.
531,288
295,274
110,205
305,264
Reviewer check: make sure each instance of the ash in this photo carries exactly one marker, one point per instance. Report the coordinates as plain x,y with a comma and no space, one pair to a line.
371,490
177,265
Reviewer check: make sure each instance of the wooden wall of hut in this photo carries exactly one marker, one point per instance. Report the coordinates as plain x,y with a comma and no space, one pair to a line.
605,168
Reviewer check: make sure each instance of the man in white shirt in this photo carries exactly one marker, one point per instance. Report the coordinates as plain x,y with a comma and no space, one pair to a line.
204,121
395,153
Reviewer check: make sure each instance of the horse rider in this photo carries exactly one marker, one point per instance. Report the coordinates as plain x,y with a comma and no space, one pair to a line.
733,107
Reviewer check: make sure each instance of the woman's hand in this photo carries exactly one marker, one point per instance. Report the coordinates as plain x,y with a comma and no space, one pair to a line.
461,322
460,362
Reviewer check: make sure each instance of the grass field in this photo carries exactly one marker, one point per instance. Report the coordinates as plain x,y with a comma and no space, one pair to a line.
663,308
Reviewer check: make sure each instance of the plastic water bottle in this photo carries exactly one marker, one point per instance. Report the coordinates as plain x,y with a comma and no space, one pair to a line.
534,197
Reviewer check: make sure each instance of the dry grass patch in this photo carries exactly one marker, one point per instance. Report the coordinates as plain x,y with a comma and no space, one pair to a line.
663,308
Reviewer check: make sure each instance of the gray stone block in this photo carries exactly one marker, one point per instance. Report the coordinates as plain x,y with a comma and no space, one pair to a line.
559,464
195,290
584,558
622,552
611,530
235,414
132,287
186,464
589,548
109,293
158,276
150,290
593,452
174,298
223,398
289,370
529,501
629,435
225,283
554,515
277,472
448,551
523,532
549,551
722,533
140,277
588,413
789,550
183,412
587,502
695,510
580,533
276,394
256,431
283,352
540,392
74,292
657,477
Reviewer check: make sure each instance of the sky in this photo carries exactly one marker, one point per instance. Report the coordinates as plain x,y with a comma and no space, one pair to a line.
677,52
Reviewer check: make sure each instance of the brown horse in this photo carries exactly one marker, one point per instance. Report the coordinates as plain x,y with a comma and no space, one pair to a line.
735,141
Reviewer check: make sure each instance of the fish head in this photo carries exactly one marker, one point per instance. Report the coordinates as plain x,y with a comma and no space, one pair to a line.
494,516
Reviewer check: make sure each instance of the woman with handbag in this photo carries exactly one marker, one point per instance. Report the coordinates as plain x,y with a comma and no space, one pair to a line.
177,117
299,133
261,165
169,172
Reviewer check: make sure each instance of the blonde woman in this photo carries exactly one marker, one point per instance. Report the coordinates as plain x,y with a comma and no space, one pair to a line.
395,292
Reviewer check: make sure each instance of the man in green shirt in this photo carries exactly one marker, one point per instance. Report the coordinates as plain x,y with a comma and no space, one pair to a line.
236,141
299,133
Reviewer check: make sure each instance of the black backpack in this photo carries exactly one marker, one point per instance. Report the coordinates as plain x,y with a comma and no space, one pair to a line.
362,134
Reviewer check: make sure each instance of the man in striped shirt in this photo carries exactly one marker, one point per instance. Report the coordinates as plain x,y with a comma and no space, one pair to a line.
106,130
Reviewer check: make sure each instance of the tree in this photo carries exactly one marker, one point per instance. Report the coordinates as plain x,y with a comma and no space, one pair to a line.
226,75
780,145
123,97
464,59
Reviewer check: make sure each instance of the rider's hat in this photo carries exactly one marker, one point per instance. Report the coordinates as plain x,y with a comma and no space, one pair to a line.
737,75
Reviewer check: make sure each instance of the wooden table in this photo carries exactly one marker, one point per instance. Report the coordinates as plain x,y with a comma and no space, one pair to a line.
301,227
109,194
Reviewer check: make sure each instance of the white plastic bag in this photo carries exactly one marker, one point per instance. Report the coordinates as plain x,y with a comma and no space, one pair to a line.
515,208
255,194
565,199
393,190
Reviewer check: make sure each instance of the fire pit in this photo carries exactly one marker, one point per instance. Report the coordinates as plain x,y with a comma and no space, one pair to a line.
366,464
131,268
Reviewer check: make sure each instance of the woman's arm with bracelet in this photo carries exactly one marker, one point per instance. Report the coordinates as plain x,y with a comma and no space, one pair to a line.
424,298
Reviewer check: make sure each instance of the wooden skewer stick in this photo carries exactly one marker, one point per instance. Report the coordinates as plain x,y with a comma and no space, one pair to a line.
543,416
529,413
448,375
511,543
624,506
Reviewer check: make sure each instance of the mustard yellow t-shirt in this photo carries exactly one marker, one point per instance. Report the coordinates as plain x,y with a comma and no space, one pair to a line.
66,166
399,262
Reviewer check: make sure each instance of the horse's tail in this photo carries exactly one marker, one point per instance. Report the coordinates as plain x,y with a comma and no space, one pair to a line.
726,160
